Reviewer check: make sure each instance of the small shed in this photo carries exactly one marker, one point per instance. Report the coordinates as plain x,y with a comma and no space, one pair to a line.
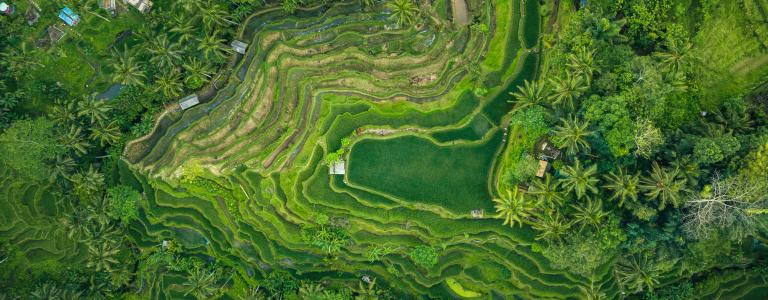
142,5
68,16
543,164
478,213
239,46
337,168
189,101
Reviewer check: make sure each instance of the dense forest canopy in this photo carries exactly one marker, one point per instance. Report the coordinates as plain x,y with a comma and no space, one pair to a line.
384,149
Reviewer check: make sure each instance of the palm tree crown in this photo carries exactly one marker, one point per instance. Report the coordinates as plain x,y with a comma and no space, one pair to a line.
403,11
663,185
622,185
551,226
529,94
96,110
513,208
572,135
580,180
567,89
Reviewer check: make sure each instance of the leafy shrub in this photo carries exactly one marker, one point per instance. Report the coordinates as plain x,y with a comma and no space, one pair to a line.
424,256
123,203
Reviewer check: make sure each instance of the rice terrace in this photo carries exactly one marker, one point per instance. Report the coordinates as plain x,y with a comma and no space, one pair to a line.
384,149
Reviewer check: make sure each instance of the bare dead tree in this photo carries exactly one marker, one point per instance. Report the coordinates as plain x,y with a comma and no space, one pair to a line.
730,204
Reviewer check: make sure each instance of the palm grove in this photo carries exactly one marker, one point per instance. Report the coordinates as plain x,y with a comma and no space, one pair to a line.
663,173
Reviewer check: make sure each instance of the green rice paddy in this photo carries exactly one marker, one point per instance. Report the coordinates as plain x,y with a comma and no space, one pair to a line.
423,155
410,167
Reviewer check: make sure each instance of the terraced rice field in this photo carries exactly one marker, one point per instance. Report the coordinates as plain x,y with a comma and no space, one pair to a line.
30,227
423,154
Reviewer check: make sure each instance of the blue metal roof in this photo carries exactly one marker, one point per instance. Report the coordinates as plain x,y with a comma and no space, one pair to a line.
69,16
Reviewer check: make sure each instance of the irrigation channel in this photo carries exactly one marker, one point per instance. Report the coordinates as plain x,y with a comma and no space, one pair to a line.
422,155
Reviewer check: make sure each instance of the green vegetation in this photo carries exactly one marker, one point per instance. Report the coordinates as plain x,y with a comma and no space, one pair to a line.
377,149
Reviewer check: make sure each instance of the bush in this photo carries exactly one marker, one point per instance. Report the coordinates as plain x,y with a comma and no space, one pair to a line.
424,256
123,203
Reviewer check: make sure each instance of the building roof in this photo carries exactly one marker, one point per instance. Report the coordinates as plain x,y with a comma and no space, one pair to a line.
239,46
69,16
189,101
141,5
107,4
542,168
337,168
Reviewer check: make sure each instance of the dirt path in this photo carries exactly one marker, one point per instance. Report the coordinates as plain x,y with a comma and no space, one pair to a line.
460,12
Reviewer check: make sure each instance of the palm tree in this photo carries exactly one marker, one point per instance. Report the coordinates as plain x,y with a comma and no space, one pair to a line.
73,140
572,135
403,11
637,274
677,57
551,226
664,186
546,190
188,5
623,186
102,257
98,230
164,53
529,94
582,63
198,72
169,84
213,15
567,89
96,110
184,28
62,167
75,224
367,292
212,46
610,31
591,214
579,180
311,291
47,291
201,283
513,208
126,70
88,182
108,134
63,113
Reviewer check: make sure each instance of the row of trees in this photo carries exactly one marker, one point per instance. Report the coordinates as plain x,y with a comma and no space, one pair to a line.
647,179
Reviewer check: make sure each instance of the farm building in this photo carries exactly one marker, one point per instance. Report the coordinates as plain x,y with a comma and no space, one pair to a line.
478,213
239,46
189,101
142,5
337,168
68,16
